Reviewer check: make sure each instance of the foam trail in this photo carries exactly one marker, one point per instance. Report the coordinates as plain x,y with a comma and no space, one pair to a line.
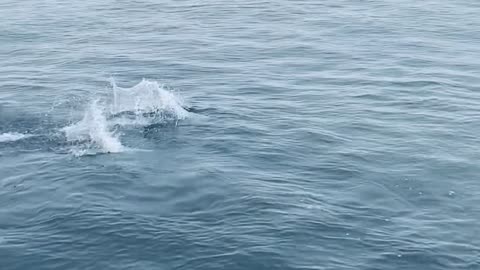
12,136
94,129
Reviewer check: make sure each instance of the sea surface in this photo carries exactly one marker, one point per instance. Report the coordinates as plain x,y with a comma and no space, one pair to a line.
250,135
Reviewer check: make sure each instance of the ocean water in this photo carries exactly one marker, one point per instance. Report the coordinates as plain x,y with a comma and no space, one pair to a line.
251,135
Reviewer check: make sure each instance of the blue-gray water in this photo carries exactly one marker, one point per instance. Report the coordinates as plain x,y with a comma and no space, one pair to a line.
319,134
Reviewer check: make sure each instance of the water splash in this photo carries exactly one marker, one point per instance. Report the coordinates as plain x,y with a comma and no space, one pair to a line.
147,97
144,104
94,131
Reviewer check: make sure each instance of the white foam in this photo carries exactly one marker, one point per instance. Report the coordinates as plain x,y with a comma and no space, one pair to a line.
13,136
94,130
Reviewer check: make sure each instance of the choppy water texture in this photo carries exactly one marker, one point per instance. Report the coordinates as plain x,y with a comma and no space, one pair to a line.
239,134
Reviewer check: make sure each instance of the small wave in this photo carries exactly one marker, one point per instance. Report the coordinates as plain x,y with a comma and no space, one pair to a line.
13,136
